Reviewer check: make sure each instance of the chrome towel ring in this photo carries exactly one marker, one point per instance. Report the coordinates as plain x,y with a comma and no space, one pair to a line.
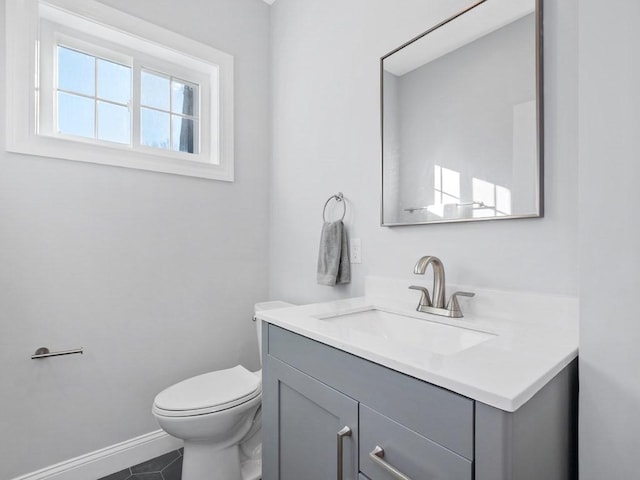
339,197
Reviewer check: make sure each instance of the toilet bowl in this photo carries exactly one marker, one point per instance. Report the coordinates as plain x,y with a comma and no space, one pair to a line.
218,416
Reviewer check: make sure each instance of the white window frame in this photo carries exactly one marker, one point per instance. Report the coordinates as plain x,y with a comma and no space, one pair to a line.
50,37
111,34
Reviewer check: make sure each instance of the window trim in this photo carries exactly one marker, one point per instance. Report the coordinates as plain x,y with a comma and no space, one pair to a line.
22,61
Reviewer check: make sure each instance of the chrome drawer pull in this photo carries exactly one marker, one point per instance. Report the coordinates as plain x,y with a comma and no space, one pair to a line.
345,432
377,456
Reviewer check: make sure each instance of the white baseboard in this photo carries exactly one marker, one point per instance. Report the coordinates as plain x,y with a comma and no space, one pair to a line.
106,461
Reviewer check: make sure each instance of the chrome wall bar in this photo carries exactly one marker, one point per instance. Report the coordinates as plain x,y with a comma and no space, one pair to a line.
43,352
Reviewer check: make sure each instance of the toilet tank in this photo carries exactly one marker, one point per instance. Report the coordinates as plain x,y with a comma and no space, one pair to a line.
272,305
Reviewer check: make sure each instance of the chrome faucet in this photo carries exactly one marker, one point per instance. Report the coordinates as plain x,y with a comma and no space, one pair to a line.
437,306
438,278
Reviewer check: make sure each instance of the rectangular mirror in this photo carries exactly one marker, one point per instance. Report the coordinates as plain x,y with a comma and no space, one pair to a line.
462,123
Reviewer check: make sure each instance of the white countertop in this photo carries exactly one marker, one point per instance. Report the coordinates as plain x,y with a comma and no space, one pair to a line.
505,371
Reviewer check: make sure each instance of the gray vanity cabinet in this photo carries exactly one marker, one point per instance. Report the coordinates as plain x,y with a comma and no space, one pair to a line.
311,391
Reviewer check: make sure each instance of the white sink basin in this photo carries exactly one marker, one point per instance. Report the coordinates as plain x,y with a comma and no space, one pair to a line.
379,328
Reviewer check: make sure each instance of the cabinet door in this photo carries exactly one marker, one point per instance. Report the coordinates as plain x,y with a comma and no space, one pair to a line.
301,421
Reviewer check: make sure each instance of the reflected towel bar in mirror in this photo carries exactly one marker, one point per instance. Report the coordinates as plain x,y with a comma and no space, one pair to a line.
467,204
43,352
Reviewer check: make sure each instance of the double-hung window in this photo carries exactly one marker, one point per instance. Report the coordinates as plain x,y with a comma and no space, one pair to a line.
110,88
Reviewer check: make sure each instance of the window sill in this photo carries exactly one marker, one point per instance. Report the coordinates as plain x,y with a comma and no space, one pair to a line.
116,156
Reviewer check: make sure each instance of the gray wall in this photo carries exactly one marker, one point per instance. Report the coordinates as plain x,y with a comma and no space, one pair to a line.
327,139
609,239
154,274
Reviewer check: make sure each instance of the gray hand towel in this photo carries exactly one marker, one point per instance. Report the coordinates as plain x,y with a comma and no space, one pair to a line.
333,257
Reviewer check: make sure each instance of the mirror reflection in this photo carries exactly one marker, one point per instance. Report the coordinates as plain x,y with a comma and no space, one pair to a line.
461,122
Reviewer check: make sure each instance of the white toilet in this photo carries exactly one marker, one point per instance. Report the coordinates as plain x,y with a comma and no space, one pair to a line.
218,416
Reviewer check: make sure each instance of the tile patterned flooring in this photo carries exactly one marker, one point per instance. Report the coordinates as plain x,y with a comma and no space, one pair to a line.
164,467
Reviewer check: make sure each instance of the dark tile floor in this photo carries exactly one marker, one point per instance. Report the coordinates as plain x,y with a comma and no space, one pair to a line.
164,467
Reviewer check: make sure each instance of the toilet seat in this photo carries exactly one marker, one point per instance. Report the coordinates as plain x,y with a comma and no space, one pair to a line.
208,393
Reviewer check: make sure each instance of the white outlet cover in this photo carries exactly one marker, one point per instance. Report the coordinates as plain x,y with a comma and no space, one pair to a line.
355,250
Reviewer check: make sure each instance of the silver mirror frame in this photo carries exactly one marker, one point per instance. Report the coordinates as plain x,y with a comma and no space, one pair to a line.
539,59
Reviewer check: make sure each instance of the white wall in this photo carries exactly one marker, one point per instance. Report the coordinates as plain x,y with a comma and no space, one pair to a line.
129,264
327,139
609,239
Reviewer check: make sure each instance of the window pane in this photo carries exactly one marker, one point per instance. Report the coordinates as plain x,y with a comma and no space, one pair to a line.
451,182
184,134
155,91
449,200
114,82
154,129
484,192
183,99
437,177
76,115
76,71
114,123
503,200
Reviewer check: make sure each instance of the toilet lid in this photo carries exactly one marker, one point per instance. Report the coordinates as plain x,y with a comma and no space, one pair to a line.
210,392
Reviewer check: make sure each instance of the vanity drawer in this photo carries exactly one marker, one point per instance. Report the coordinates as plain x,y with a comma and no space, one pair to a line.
433,412
405,450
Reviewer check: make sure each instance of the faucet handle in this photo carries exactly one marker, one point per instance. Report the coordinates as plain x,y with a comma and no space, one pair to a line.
425,300
453,305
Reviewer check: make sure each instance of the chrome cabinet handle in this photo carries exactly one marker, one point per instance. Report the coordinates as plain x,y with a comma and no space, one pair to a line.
377,455
345,432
